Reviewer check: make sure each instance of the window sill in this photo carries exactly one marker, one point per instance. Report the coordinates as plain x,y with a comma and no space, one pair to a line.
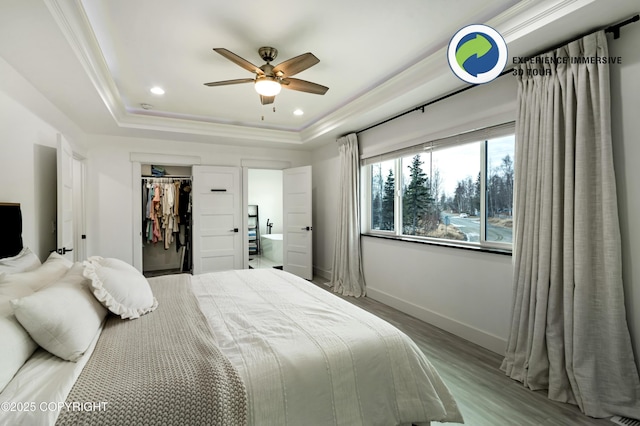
448,244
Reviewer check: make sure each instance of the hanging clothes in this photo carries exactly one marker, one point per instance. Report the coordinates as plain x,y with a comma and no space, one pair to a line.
148,225
176,215
163,210
184,215
157,213
167,214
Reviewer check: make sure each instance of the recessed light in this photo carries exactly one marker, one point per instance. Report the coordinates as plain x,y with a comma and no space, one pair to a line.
298,112
157,90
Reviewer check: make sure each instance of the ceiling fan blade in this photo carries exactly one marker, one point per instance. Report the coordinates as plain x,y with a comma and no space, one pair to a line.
265,100
227,82
239,61
304,86
295,65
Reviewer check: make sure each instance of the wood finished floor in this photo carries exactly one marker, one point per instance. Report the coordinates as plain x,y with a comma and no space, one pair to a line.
485,395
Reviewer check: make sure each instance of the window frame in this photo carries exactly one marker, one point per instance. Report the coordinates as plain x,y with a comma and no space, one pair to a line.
366,184
483,136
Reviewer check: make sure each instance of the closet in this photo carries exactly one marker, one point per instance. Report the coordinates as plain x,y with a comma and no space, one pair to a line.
166,219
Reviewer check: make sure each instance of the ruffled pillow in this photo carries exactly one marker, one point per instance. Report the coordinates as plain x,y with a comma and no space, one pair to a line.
63,317
119,287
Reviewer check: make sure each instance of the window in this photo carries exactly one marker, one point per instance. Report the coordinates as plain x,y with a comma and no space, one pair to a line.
499,190
457,190
382,196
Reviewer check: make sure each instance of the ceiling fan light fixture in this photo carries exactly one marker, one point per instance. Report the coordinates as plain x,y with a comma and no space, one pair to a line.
267,86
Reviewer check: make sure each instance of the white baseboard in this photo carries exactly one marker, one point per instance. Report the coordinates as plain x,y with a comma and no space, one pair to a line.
486,340
322,273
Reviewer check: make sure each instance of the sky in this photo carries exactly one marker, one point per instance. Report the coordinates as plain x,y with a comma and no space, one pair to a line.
459,162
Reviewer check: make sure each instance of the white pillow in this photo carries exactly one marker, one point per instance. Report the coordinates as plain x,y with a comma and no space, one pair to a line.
51,270
17,346
63,317
120,287
26,260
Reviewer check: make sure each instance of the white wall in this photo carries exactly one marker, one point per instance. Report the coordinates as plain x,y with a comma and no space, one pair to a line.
479,107
325,182
265,190
28,156
464,292
28,173
110,198
625,128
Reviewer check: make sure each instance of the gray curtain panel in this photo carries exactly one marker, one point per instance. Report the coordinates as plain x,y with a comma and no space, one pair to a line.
569,332
347,277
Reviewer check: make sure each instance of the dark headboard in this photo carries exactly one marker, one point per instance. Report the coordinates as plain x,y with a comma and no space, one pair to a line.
10,230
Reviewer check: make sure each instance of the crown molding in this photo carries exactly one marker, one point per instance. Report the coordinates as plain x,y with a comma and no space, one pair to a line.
215,130
531,15
74,24
515,23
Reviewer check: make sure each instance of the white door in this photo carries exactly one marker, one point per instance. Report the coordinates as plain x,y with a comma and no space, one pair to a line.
217,212
298,230
64,221
80,246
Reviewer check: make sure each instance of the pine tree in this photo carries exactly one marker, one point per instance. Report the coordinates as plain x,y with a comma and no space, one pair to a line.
388,202
416,199
458,198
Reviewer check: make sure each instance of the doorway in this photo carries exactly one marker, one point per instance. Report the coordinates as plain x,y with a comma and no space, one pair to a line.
166,219
265,230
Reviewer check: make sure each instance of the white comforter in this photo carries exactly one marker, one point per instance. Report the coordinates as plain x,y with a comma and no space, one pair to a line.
308,357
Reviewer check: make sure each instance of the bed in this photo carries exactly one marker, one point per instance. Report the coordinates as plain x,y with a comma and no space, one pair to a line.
256,347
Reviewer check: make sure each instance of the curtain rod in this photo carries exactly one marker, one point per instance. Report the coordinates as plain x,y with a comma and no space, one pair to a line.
613,28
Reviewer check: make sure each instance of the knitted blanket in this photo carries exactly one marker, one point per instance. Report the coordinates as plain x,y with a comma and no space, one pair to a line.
163,368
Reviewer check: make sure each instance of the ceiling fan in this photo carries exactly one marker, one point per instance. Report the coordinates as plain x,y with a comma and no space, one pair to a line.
269,79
